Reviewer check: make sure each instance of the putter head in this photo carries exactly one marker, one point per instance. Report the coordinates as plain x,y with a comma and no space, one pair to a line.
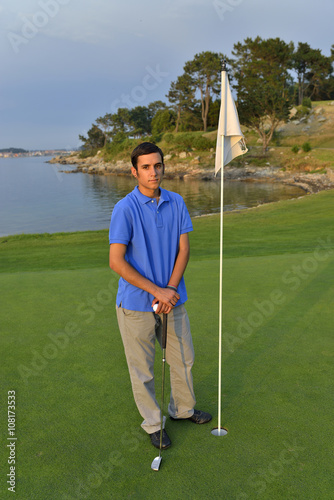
156,463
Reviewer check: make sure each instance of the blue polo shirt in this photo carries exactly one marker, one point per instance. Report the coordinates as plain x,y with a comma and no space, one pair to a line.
152,234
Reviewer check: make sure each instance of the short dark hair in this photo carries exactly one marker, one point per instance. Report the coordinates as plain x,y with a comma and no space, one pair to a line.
145,148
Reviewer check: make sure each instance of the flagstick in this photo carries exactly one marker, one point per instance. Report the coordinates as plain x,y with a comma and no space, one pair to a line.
220,431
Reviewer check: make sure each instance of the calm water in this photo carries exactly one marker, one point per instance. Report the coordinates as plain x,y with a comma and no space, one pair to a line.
36,197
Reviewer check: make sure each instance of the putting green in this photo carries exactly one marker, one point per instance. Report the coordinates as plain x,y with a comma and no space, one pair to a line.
78,430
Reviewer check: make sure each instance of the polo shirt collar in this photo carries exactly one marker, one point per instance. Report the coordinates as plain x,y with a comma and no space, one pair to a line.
164,196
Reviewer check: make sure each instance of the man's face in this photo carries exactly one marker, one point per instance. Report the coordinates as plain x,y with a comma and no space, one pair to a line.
149,173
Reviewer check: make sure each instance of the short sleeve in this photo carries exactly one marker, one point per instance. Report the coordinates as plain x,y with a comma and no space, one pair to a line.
186,224
120,230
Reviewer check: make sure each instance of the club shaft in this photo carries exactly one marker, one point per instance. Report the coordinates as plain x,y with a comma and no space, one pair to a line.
162,395
164,343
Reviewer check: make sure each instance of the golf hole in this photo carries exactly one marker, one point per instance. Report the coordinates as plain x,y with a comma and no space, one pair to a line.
219,432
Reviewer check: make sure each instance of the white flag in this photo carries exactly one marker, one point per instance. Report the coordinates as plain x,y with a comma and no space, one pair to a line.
228,128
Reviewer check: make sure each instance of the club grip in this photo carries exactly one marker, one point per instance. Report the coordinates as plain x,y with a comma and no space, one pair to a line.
164,331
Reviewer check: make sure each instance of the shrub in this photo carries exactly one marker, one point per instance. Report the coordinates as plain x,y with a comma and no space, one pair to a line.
116,147
184,141
154,138
307,102
306,147
168,138
86,153
163,121
202,143
295,149
302,112
188,141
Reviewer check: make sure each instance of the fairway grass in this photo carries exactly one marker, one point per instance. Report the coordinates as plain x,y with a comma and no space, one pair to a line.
77,426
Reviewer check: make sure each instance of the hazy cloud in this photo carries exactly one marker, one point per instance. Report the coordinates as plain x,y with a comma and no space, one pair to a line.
67,61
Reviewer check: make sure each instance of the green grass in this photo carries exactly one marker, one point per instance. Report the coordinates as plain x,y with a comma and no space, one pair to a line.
324,141
325,154
78,430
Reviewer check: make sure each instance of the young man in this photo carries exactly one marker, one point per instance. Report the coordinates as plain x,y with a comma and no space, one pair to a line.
149,249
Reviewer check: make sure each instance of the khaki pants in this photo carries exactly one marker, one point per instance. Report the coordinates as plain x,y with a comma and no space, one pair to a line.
139,330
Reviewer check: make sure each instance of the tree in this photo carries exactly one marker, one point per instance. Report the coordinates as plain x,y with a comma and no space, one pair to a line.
182,96
204,70
120,123
105,124
163,121
329,87
313,69
94,140
213,116
156,106
318,75
261,70
116,124
140,121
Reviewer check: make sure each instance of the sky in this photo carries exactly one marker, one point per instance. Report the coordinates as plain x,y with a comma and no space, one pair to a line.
64,63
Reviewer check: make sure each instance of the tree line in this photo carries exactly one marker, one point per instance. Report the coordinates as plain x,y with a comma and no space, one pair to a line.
268,76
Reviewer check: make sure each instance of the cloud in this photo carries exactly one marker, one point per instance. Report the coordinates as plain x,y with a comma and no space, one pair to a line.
86,54
64,19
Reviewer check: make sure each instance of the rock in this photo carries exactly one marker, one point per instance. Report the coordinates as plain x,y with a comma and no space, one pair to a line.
323,119
168,157
183,155
318,111
330,173
196,160
293,112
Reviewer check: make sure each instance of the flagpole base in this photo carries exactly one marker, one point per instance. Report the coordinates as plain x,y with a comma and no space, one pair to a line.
219,432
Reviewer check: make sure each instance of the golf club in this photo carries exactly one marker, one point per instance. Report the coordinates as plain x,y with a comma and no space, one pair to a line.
157,461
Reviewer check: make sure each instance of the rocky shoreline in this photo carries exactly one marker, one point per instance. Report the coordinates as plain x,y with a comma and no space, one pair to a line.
311,183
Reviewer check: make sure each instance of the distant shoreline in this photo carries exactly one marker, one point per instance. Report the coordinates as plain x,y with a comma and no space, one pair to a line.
310,183
16,153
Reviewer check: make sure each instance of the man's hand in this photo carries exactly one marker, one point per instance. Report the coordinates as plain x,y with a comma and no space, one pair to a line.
166,298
